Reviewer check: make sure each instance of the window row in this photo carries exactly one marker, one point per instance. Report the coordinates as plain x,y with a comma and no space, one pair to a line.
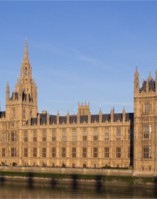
74,135
34,152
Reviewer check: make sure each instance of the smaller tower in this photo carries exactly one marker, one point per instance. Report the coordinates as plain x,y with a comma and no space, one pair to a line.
84,109
145,113
23,101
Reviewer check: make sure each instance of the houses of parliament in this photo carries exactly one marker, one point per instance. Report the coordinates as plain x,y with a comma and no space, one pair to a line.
83,140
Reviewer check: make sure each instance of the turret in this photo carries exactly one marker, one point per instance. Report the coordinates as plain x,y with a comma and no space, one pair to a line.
58,115
136,82
156,82
67,117
7,92
112,114
100,116
124,114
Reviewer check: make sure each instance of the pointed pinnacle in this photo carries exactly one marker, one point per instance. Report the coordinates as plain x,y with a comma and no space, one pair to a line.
26,59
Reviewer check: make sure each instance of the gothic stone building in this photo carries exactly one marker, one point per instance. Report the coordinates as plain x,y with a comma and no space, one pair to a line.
29,138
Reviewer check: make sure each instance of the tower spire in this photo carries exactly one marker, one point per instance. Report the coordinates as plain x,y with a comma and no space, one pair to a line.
26,58
26,70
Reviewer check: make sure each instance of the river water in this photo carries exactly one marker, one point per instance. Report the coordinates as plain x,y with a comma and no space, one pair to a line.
12,191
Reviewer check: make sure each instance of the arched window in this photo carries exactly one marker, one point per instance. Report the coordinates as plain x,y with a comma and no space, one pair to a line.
147,107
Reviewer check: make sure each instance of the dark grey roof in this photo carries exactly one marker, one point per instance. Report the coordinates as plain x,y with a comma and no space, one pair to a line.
53,119
106,117
33,121
62,120
83,119
25,96
14,95
151,85
43,119
94,118
72,119
118,116
130,116
2,114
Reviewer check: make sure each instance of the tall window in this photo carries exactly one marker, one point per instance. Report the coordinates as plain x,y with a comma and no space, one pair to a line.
129,152
84,152
13,136
43,135
53,134
25,136
84,134
53,152
34,136
74,152
25,152
118,133
106,152
74,134
13,113
129,134
95,152
43,152
34,152
63,152
147,152
118,152
107,134
147,130
95,134
4,136
3,152
147,107
30,113
64,138
24,114
13,152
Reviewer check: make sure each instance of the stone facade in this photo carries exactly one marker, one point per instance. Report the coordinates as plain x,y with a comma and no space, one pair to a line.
29,138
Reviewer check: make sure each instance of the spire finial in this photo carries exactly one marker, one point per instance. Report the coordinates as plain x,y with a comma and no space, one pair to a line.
150,76
136,72
100,111
26,49
26,59
123,109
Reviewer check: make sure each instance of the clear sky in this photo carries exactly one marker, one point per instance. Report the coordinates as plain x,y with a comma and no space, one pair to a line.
79,51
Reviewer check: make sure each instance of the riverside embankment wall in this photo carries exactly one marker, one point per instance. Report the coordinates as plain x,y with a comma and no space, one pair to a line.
81,171
63,177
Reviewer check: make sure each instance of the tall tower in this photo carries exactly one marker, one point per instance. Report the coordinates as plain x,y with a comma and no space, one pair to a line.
145,126
22,104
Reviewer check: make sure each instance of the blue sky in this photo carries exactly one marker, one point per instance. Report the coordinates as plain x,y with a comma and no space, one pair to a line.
79,51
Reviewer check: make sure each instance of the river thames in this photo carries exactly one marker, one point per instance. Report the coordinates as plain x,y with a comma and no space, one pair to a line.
20,191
